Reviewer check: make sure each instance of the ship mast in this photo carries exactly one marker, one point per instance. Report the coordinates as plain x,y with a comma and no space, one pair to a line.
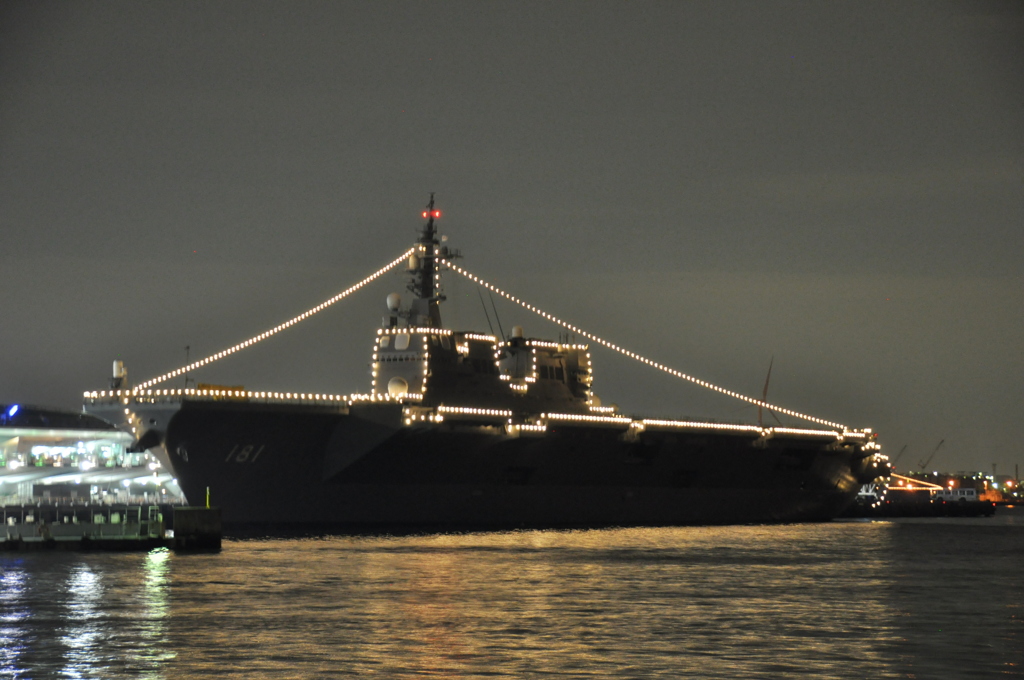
426,306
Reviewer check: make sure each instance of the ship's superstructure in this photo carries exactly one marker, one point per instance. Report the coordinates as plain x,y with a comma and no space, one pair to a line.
464,429
416,359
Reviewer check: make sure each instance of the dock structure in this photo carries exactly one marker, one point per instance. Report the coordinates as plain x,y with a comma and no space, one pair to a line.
109,527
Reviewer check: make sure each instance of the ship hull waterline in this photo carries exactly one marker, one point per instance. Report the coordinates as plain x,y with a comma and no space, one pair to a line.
360,469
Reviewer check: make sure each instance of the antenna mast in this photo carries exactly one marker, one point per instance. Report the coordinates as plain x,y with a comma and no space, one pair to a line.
426,308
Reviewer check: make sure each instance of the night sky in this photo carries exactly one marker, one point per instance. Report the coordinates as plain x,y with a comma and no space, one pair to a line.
836,187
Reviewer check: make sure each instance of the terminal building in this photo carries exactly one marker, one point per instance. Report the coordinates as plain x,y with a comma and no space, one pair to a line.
49,455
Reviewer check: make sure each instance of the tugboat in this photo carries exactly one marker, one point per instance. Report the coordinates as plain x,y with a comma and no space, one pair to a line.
464,430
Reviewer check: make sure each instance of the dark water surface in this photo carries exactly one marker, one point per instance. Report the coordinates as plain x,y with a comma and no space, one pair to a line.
897,599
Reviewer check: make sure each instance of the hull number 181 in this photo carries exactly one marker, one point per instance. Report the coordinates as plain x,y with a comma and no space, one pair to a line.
244,454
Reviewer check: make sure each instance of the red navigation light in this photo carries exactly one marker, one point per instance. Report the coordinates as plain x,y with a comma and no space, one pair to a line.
425,214
437,213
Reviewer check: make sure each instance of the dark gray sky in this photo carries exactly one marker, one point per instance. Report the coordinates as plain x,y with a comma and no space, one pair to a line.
836,185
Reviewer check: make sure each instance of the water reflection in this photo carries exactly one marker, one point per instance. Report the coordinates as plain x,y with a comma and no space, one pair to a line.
85,615
13,613
156,597
669,601
82,633
153,646
840,600
712,602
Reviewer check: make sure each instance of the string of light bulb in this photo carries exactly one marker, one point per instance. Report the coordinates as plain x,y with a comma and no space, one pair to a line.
634,355
508,296
276,329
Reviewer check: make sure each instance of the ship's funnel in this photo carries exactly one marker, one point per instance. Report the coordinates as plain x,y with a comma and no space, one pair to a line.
120,376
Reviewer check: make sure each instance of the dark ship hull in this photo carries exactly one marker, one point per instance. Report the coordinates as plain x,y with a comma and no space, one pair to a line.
278,466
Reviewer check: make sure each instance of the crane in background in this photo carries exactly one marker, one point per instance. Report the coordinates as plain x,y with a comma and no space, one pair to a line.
924,465
764,397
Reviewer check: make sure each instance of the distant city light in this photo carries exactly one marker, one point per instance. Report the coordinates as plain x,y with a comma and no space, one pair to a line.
12,410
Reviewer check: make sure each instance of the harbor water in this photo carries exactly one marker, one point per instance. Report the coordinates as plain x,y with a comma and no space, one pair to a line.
925,598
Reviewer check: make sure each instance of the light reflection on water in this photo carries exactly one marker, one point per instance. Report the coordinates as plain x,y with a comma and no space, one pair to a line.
839,600
12,613
83,604
84,615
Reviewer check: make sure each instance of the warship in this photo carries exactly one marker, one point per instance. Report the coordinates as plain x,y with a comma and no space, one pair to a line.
466,430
